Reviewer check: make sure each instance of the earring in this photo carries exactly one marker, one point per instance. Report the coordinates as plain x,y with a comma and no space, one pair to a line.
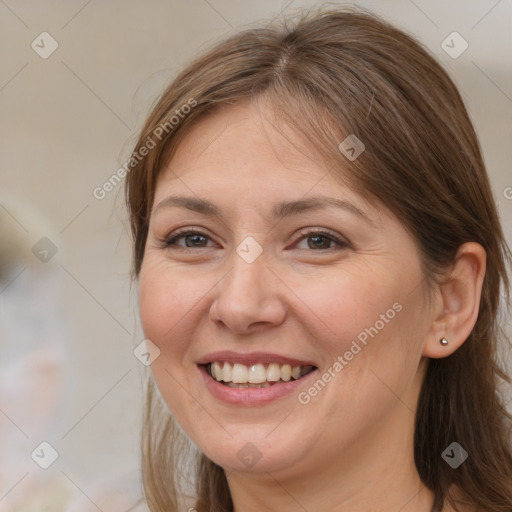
444,342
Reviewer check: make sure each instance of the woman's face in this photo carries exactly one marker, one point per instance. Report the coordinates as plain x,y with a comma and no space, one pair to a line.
285,266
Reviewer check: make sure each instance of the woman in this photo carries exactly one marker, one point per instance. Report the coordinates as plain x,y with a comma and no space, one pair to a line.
319,262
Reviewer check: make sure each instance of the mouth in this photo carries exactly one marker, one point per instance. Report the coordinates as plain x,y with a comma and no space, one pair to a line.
259,375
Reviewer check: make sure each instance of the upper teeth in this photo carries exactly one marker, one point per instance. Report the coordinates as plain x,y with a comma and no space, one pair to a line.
256,373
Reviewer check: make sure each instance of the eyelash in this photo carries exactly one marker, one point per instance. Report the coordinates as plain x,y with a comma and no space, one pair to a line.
170,242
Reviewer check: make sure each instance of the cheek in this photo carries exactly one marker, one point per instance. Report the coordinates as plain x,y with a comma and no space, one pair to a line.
165,291
154,305
350,303
163,300
362,320
171,300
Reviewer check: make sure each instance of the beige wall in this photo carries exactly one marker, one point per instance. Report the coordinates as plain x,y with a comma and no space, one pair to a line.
67,123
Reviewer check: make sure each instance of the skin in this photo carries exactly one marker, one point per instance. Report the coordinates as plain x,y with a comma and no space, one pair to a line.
351,447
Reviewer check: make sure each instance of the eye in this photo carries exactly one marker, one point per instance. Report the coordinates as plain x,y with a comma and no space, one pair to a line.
192,239
321,239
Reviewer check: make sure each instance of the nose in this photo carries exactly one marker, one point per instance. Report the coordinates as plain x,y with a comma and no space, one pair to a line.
247,298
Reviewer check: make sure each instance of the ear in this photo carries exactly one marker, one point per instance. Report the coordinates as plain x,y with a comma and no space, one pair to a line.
457,303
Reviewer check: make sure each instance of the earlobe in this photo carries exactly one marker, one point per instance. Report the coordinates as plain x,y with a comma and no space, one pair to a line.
460,295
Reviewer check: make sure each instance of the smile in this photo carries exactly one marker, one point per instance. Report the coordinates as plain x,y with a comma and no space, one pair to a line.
237,375
238,390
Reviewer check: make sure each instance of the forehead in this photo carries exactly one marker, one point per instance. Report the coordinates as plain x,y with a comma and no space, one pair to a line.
245,132
245,140
238,154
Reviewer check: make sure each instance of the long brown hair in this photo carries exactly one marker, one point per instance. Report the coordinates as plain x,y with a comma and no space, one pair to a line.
327,75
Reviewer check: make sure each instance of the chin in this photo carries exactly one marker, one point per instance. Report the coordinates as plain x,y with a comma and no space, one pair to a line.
240,454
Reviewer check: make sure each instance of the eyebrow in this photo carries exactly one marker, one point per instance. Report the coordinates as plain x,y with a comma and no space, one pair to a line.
279,211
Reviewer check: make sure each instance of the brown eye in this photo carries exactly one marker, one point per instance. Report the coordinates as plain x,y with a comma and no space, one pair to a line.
321,240
192,239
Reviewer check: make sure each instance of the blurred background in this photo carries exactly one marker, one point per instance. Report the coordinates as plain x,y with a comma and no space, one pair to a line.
76,82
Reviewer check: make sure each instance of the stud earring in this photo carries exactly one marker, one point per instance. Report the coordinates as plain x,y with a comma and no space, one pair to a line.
444,342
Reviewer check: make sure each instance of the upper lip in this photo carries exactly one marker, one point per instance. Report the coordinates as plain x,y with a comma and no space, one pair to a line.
249,358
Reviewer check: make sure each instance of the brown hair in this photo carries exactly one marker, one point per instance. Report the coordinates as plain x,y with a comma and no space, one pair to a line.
330,74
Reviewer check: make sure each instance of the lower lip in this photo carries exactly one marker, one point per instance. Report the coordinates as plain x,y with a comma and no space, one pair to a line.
253,396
